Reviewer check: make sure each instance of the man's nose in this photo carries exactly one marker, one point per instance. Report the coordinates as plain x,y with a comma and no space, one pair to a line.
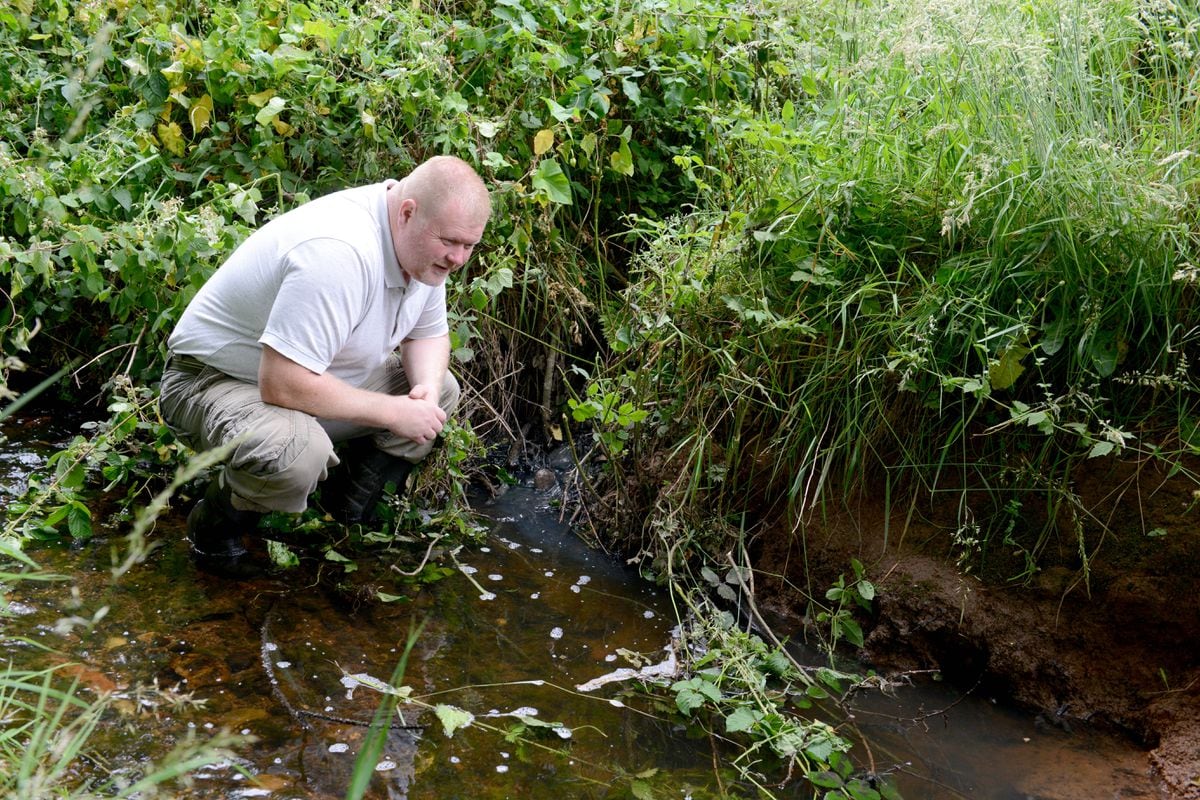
458,255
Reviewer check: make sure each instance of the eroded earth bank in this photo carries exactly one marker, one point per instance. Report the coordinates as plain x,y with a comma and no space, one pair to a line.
1116,647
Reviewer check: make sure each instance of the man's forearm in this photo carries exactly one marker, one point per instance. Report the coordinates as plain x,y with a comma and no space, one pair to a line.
285,383
426,361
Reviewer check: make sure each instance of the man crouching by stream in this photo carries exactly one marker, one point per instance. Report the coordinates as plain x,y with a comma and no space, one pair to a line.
327,325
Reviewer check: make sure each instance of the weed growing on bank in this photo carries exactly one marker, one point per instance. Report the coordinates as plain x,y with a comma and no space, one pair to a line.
954,261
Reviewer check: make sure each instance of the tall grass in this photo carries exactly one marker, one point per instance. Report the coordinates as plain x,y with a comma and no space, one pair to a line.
957,256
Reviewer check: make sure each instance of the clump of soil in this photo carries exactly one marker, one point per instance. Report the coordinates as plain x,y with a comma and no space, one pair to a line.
1114,645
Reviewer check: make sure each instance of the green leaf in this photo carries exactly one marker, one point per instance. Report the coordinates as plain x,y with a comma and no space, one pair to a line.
691,694
550,180
631,91
641,790
1100,449
1105,352
688,701
742,719
79,521
1003,372
621,160
281,555
453,718
825,779
1054,335
270,111
851,631
777,663
861,790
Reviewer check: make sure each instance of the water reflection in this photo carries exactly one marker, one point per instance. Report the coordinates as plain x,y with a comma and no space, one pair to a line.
526,618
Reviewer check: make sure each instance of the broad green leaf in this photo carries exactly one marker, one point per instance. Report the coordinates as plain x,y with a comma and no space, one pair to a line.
861,790
79,521
631,91
621,159
270,111
1101,449
641,790
322,29
851,631
551,180
559,112
1054,335
1003,372
820,748
688,701
742,719
1105,352
825,779
281,555
453,718
588,144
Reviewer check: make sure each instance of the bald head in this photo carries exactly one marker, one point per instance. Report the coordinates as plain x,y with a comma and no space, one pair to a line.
447,184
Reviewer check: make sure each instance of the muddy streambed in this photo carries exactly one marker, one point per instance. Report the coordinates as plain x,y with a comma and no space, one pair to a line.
525,619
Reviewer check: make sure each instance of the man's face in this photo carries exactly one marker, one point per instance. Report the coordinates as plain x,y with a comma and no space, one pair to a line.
431,248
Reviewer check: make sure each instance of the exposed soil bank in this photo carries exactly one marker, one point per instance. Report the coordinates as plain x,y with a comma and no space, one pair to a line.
1121,650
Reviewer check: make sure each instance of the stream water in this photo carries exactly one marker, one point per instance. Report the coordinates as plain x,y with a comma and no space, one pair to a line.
527,617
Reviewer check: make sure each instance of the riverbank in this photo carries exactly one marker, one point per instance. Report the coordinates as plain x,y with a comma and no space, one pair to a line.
1116,649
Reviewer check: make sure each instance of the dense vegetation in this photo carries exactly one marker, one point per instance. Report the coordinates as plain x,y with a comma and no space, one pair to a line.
749,258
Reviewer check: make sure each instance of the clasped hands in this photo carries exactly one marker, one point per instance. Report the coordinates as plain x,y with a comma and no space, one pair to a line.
420,418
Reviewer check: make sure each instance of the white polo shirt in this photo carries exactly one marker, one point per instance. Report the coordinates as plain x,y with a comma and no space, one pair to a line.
319,284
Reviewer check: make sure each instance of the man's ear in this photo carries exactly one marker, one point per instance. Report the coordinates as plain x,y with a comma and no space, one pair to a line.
408,209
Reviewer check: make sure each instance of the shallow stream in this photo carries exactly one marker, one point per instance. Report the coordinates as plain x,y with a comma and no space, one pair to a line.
526,618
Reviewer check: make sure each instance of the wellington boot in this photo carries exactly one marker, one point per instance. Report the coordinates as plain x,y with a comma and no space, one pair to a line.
353,493
215,531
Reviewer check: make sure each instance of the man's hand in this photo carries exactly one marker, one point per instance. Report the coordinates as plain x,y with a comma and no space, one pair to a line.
421,418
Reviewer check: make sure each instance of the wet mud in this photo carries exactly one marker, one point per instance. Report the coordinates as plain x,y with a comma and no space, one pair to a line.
1115,649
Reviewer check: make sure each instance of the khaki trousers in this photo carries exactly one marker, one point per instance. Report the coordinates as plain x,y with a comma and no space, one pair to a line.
283,454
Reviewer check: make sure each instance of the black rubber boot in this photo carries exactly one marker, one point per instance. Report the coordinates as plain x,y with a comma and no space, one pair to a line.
215,531
351,496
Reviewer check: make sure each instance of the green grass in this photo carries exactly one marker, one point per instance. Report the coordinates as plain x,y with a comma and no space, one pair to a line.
959,256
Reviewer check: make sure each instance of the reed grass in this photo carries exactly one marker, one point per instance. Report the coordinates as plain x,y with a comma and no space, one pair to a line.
960,258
